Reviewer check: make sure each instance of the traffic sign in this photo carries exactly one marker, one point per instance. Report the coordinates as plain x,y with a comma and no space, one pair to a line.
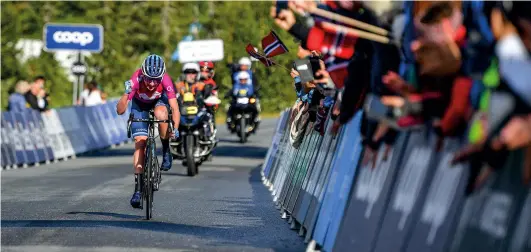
82,37
200,50
79,68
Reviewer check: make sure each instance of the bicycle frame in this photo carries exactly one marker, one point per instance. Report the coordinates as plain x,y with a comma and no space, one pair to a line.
151,169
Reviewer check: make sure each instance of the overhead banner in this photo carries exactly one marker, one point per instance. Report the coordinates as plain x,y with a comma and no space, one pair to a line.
201,50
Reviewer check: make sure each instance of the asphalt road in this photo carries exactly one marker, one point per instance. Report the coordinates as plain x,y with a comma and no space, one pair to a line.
83,205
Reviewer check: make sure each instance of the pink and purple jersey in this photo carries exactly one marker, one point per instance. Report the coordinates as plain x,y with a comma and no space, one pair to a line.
141,93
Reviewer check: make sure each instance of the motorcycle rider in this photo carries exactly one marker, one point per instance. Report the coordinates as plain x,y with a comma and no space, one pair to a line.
243,83
211,89
200,91
207,73
244,64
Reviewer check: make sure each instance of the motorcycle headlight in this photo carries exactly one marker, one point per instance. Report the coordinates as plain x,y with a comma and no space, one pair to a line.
252,100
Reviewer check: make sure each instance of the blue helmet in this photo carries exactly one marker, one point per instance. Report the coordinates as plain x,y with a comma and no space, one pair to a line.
153,66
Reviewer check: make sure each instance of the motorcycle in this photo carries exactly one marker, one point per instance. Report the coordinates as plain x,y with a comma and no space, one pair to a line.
244,114
197,136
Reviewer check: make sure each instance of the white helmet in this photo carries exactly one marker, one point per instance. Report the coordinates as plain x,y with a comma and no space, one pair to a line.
243,75
191,66
245,61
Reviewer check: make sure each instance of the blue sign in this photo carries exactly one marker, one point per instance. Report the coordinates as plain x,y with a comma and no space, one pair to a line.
82,37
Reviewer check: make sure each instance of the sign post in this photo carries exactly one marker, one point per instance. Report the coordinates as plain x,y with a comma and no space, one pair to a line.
80,37
78,69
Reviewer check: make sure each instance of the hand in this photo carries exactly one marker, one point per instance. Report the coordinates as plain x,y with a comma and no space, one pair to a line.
517,133
128,86
317,54
294,73
175,134
436,49
398,85
285,19
323,75
500,28
336,110
301,6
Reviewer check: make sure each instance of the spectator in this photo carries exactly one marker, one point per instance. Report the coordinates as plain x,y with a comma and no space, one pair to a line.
17,101
91,96
32,96
42,99
104,97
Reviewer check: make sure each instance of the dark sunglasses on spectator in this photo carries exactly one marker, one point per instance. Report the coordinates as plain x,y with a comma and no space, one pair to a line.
190,72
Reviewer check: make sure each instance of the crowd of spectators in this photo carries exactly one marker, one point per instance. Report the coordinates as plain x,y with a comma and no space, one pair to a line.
25,95
461,69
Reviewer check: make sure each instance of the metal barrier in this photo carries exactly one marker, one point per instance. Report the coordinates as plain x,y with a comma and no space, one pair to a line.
31,138
412,200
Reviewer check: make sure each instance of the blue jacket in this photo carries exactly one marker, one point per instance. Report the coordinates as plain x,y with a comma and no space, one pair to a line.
237,87
16,102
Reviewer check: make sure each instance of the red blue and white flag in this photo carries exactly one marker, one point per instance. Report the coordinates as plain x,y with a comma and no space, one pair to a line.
253,53
272,45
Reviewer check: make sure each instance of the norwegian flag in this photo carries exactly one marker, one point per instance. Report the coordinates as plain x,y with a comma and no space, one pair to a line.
253,53
336,45
272,45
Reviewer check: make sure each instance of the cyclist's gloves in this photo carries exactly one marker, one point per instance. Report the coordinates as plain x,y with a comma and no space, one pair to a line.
128,86
175,133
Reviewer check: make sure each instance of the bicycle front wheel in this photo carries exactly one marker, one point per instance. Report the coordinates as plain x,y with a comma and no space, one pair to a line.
149,179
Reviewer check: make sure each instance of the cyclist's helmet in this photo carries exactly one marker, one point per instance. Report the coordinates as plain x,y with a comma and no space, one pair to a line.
153,67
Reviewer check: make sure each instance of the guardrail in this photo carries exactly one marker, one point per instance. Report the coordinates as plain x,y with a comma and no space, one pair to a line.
32,138
413,200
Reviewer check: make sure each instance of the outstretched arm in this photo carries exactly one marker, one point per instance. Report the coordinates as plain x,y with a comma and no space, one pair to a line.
122,104
130,87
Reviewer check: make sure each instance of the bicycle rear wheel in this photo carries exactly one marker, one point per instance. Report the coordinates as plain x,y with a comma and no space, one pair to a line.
149,179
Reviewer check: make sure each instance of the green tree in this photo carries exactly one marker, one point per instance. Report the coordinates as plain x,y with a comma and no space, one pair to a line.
132,30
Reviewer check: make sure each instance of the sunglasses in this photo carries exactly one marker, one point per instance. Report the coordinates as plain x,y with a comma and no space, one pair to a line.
190,72
155,80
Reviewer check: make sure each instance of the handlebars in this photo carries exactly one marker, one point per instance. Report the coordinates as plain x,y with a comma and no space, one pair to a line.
150,120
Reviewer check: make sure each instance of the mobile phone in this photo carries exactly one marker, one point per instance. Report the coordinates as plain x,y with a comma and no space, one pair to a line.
281,5
304,67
